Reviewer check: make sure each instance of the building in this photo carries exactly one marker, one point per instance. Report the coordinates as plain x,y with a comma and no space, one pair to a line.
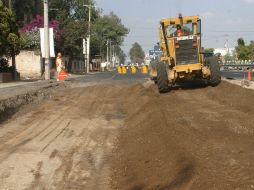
224,51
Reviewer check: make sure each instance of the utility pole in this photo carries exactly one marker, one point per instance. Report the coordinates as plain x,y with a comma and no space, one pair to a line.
110,53
89,38
108,58
114,57
46,40
10,5
107,51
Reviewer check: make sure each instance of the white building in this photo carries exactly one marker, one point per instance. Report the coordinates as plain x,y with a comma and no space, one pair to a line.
224,51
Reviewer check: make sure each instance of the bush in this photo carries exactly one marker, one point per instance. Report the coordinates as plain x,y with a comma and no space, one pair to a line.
30,33
31,40
4,66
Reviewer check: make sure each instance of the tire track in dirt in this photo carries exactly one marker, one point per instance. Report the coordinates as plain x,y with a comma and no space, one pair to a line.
71,147
50,142
24,132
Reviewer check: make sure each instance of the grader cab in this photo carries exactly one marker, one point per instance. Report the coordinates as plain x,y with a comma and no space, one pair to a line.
182,56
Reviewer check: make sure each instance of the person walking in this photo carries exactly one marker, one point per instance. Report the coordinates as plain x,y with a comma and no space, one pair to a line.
61,74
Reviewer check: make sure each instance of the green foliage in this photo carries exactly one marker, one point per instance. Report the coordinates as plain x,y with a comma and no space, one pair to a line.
251,50
109,27
30,40
241,42
9,35
209,50
26,10
73,19
137,54
243,51
4,66
73,35
122,56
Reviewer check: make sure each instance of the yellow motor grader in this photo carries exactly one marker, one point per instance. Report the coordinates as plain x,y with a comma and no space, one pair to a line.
182,56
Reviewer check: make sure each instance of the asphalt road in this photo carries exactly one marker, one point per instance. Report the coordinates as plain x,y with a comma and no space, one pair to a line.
113,76
138,77
235,74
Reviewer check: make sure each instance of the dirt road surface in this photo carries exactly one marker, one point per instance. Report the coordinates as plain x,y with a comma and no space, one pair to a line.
131,137
187,139
63,143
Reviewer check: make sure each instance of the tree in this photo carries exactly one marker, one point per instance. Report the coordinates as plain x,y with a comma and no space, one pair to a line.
242,50
30,33
73,19
24,10
251,50
241,42
9,35
27,10
108,27
122,56
209,50
137,54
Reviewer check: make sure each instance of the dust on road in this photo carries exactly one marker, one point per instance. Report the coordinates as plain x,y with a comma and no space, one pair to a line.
129,136
64,143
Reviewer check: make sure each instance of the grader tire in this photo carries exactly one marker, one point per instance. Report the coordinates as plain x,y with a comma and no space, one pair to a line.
162,78
215,77
155,80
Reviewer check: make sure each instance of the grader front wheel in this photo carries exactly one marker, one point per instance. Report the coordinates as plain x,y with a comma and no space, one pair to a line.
162,78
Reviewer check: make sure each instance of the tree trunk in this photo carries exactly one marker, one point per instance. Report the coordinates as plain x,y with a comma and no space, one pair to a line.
36,6
13,59
10,4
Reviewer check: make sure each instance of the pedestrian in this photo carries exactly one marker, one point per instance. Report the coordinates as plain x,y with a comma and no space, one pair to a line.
60,67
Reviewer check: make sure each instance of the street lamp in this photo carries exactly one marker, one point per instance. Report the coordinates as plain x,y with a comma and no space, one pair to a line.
89,38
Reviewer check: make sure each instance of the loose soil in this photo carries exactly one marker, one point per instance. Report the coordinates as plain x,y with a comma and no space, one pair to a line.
114,136
187,139
64,142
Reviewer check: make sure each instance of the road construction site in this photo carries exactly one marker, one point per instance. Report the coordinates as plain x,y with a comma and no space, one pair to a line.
112,131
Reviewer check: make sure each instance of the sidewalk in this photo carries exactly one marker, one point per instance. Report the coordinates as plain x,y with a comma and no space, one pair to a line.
243,83
18,83
29,82
9,90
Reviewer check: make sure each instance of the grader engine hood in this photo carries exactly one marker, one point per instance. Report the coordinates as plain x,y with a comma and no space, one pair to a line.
186,50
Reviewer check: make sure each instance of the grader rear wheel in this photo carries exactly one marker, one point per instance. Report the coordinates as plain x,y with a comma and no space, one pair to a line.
215,77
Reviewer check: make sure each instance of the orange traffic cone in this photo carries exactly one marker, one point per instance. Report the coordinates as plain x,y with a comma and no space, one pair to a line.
249,75
62,75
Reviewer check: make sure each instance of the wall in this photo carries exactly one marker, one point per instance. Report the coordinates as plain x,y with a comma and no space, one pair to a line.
28,64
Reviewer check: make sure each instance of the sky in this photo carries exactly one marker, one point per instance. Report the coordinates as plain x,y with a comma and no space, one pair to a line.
222,20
